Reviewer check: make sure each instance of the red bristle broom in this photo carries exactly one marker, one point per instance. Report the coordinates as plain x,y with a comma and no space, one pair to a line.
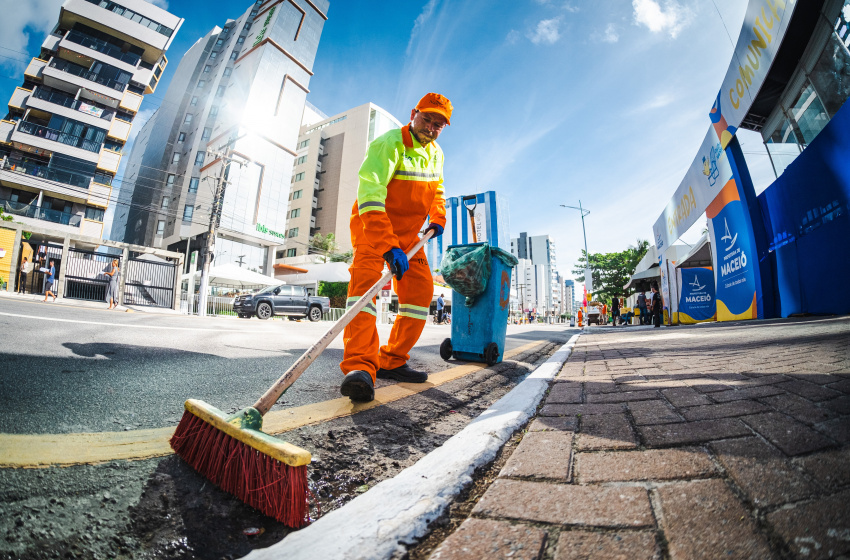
233,453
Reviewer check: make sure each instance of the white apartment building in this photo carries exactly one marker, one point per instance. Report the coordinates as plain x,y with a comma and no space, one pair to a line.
540,251
325,176
569,297
63,138
239,91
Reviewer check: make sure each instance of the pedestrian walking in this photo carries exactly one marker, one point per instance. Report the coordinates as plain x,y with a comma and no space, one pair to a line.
49,277
22,277
656,305
112,288
400,183
440,306
641,304
615,310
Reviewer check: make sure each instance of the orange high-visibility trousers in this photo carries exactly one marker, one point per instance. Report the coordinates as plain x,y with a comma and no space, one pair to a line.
415,291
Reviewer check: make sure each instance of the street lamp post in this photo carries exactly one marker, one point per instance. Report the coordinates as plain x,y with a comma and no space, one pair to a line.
586,253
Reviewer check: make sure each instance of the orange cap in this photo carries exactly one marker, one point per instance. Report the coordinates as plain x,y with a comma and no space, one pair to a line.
436,103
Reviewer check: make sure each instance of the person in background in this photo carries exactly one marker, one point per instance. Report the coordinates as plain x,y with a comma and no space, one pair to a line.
615,310
440,306
49,278
641,305
112,287
656,305
22,282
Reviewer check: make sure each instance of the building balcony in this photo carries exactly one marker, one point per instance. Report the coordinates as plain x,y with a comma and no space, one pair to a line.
51,43
131,101
44,214
35,68
60,103
50,140
109,160
67,183
19,99
6,129
120,129
76,70
88,42
315,202
99,195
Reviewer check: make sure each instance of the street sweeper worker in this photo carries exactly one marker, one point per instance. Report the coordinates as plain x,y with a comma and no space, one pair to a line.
401,186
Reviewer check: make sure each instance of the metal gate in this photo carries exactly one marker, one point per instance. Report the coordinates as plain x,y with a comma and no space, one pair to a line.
42,256
149,282
85,276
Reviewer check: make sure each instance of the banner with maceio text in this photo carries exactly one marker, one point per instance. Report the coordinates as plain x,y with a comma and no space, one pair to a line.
696,295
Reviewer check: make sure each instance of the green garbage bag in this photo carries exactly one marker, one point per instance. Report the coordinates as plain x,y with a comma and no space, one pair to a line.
466,268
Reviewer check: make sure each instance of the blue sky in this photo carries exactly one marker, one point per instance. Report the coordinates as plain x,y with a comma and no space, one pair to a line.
555,101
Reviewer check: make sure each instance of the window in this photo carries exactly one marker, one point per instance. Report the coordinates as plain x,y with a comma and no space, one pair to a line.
228,71
304,144
290,252
295,213
160,227
220,91
193,184
247,26
95,214
213,54
199,158
201,83
170,179
292,232
181,137
240,40
299,176
297,194
194,100
187,119
207,69
188,210
219,43
165,200
213,110
175,158
234,55
207,133
300,160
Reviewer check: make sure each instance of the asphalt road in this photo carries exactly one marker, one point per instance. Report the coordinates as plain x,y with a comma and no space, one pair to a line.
67,370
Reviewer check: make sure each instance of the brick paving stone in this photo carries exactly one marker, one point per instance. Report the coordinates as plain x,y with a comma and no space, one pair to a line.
653,464
747,393
730,378
684,396
624,545
817,529
622,396
599,386
704,519
838,429
566,504
541,455
605,431
580,409
809,390
764,474
704,385
723,410
484,538
653,412
842,385
692,432
841,405
758,380
564,393
554,423
818,378
801,409
830,468
791,436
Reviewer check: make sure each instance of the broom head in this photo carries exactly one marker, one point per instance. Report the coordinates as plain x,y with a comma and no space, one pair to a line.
230,450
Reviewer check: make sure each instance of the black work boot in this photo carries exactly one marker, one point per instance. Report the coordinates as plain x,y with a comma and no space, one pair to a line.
358,386
404,373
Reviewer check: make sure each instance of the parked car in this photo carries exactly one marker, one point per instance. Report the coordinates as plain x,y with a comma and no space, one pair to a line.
291,301
594,313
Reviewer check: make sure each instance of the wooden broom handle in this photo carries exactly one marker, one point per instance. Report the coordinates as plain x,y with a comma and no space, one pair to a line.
270,397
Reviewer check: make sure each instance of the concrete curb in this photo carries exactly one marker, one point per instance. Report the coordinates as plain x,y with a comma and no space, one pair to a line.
399,510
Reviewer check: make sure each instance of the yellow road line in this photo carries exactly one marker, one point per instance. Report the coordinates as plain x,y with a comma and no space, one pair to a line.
41,450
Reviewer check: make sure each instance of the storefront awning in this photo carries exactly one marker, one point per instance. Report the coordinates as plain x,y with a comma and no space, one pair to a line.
643,279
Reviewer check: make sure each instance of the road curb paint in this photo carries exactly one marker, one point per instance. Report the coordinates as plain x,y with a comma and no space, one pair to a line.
44,450
400,509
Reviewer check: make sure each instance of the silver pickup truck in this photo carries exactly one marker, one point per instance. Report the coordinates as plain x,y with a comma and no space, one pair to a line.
291,301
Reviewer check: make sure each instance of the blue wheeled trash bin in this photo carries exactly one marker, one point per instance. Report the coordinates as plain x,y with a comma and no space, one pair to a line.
480,277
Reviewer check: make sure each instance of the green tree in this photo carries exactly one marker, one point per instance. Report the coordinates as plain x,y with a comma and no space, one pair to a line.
611,271
337,292
327,245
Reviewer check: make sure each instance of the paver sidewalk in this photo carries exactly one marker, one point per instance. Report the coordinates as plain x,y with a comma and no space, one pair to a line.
688,442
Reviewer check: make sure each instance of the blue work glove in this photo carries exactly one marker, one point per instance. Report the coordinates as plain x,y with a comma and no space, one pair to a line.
397,261
436,228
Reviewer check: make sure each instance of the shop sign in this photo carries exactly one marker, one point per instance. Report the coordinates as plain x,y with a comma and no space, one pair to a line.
696,295
262,32
263,229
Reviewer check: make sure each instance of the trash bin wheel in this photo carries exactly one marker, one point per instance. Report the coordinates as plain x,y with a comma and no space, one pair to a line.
446,349
491,354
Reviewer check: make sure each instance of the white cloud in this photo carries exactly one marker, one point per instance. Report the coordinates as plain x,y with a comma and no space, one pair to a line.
570,8
33,18
512,37
611,35
547,32
420,21
671,18
161,3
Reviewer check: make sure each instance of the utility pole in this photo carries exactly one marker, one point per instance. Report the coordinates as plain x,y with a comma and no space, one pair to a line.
215,222
587,273
241,260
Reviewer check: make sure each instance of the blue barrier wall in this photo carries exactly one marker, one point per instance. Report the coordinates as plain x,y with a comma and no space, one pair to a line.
806,214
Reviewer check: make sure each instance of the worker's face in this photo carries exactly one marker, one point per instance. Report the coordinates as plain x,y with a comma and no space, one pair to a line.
427,126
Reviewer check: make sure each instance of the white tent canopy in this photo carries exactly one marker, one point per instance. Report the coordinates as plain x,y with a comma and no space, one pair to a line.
323,272
233,275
